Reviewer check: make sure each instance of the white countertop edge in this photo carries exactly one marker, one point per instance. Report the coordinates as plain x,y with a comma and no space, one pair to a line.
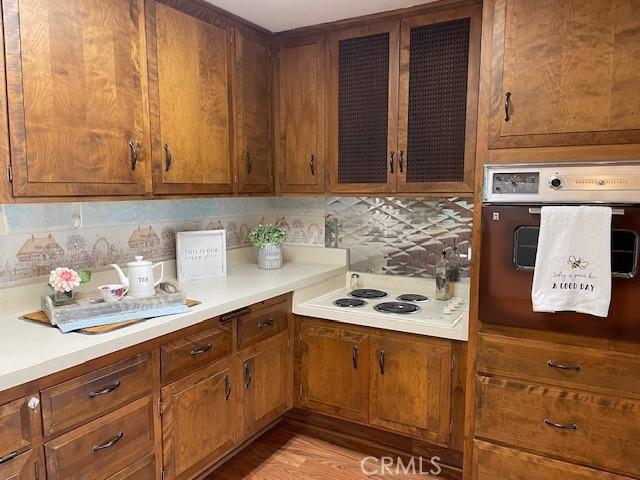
458,331
39,363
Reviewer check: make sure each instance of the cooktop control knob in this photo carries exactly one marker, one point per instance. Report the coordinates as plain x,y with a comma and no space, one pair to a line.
555,182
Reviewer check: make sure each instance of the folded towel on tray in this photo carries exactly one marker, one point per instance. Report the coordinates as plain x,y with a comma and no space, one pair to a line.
573,261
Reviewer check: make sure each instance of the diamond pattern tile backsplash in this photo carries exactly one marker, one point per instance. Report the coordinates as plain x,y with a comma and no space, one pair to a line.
399,235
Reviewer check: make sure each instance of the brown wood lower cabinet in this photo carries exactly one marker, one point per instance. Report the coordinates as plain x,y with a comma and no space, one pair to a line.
390,380
105,446
599,431
491,462
335,371
144,469
266,383
410,388
199,419
26,466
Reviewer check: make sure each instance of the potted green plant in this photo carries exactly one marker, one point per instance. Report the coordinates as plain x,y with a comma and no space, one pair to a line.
268,239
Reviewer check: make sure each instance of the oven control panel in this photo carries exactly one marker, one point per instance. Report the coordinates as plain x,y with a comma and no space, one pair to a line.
522,182
588,182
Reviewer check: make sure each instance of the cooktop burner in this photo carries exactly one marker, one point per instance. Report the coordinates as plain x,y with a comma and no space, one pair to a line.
367,293
412,297
397,307
349,302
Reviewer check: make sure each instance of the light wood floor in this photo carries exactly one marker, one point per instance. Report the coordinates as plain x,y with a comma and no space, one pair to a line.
284,453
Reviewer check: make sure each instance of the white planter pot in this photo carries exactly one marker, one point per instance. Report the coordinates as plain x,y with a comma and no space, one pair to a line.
270,257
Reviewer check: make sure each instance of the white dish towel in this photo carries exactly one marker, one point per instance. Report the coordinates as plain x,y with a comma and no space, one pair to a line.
573,262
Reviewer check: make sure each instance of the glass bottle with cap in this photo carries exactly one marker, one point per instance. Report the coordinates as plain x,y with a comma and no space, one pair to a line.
443,290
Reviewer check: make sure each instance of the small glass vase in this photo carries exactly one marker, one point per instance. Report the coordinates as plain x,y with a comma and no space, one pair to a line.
61,298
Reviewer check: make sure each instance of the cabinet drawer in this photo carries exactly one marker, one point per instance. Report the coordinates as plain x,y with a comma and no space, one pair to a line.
105,446
586,428
144,469
491,462
264,323
19,424
89,396
576,367
22,467
181,357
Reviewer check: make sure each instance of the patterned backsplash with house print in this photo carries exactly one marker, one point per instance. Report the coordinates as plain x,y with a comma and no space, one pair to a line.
38,238
399,235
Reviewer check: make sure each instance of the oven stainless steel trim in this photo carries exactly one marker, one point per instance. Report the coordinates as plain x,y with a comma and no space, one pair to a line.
537,211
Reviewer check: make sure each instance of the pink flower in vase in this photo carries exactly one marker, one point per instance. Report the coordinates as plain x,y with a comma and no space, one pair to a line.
64,279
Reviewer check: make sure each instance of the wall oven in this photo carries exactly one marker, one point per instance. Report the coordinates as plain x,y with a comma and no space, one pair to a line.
512,198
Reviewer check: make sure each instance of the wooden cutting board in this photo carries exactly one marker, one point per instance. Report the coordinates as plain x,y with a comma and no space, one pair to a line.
41,317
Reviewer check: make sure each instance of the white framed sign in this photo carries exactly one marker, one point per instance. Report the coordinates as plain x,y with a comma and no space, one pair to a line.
201,254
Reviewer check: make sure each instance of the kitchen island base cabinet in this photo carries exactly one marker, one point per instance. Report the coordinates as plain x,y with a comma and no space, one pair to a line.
199,419
266,383
335,371
411,387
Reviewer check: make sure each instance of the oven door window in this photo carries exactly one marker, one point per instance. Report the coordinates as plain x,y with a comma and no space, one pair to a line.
624,250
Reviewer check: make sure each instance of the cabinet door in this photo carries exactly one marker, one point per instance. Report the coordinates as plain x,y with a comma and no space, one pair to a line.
335,371
267,371
253,112
363,108
439,67
190,100
27,466
198,420
564,73
301,116
76,76
411,387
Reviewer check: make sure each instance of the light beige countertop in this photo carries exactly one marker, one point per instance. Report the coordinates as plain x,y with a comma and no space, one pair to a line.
29,351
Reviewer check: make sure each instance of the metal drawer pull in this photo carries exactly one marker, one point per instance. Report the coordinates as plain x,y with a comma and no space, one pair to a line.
249,163
507,104
381,361
200,351
109,444
614,211
356,355
227,387
105,390
247,375
169,159
400,161
561,366
391,161
8,457
134,154
561,426
266,323
312,164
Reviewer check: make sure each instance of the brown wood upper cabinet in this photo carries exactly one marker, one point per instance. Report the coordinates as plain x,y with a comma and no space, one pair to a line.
76,77
363,108
402,104
564,73
190,55
300,116
253,107
438,95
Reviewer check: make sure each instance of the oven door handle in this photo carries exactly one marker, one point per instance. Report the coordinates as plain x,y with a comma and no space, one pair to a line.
615,211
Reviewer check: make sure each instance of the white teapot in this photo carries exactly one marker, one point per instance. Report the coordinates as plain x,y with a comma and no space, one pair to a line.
140,279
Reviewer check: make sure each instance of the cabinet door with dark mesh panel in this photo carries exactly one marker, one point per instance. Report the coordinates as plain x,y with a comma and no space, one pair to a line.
439,60
363,108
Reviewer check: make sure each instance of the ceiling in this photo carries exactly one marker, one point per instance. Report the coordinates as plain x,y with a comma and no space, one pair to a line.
279,15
